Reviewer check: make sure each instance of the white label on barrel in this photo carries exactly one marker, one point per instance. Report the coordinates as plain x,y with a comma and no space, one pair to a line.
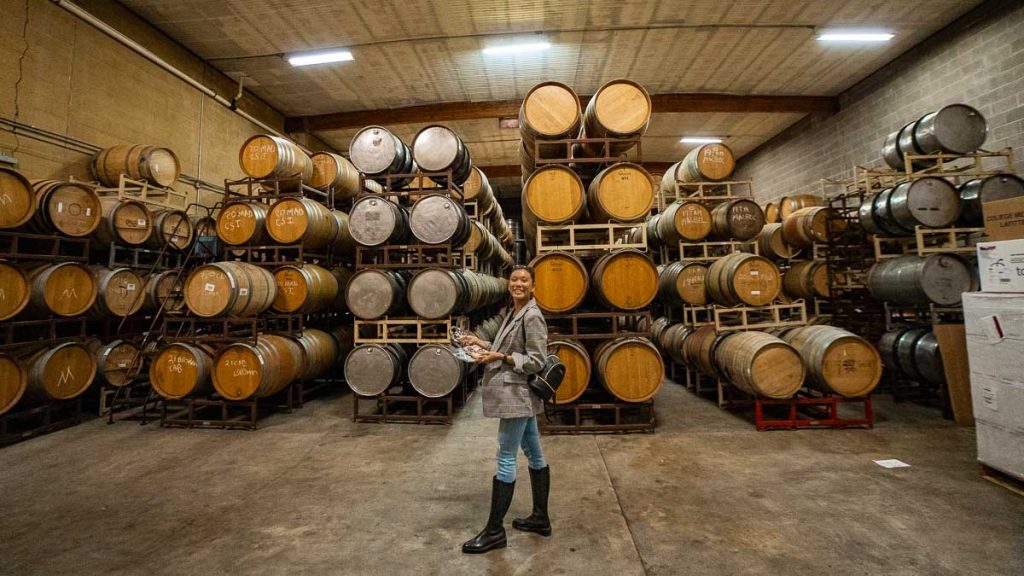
209,287
141,222
754,272
122,364
243,291
129,287
755,292
60,207
88,211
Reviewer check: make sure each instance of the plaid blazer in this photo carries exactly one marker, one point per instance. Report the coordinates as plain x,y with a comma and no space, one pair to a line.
506,393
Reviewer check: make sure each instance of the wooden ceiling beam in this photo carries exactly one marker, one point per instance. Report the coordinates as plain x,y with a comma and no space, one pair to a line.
662,103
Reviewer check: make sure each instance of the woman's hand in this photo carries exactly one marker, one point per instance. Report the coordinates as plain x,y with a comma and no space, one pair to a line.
471,340
488,356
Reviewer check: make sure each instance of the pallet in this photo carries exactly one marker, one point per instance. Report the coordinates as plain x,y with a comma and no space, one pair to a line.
145,192
707,192
221,414
738,318
229,329
896,314
961,167
929,241
266,190
43,332
413,189
408,407
707,252
589,237
807,410
608,417
1000,478
406,330
45,247
144,258
598,325
562,152
20,425
276,255
116,400
409,256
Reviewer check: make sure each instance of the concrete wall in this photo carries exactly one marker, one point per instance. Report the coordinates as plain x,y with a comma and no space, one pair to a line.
78,82
978,60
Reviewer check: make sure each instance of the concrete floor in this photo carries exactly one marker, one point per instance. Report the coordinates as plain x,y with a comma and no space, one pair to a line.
312,493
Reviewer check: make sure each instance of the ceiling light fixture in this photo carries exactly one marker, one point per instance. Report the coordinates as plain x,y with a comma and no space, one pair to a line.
517,48
700,140
854,36
321,57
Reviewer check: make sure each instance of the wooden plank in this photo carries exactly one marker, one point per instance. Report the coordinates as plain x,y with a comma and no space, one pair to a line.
661,103
953,344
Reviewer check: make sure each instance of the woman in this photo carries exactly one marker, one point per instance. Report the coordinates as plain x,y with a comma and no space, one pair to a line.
516,351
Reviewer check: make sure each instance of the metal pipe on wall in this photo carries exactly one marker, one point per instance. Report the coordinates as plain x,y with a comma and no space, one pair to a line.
147,54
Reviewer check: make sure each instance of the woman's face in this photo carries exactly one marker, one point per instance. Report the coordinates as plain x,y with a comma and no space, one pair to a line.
520,284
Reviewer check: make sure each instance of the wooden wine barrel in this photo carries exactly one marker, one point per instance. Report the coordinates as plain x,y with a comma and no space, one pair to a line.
978,191
738,219
120,292
66,289
560,281
837,360
229,289
680,284
743,279
760,364
937,278
621,192
699,350
334,171
790,204
68,208
377,221
342,275
243,370
179,370
683,221
319,353
806,226
771,213
706,163
115,361
14,291
772,244
164,289
370,369
344,243
577,368
619,109
126,222
13,380
477,188
434,371
550,111
482,290
172,228
344,337
266,156
931,202
438,219
378,152
304,289
672,341
625,280
807,280
242,223
952,129
437,293
302,221
438,149
17,199
62,372
630,369
139,162
913,353
372,293
553,195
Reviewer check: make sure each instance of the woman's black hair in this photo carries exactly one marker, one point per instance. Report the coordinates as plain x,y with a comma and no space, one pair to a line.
528,269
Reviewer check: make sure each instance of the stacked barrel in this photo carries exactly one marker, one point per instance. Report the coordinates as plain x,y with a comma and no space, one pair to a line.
729,268
576,180
268,313
423,261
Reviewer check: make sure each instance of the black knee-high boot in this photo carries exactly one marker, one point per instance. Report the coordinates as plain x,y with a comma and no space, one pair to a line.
538,521
493,535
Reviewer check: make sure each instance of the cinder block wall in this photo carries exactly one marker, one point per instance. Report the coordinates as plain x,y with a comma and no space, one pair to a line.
978,60
76,81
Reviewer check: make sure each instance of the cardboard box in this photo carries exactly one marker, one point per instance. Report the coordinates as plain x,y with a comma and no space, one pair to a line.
1004,219
1001,266
994,324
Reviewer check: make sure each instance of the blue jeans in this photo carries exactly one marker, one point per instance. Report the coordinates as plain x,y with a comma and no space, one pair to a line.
513,433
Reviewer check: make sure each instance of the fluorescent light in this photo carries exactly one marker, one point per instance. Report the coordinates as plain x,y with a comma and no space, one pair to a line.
700,140
324,57
854,36
517,48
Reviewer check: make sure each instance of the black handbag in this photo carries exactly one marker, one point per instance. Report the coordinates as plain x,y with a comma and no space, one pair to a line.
546,382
